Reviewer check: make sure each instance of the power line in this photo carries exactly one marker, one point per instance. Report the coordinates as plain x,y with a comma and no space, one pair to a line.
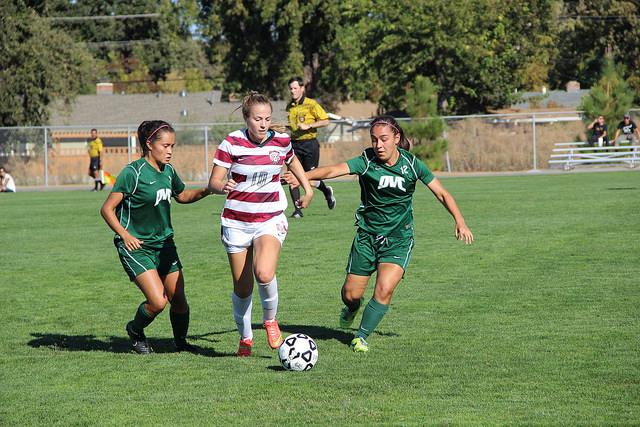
101,17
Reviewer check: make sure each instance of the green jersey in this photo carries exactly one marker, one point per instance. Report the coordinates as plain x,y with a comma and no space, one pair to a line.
386,192
145,211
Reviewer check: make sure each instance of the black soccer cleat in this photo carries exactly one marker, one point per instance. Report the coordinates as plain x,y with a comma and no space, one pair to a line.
331,199
138,341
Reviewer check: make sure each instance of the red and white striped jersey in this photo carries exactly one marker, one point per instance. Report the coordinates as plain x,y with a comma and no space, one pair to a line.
258,195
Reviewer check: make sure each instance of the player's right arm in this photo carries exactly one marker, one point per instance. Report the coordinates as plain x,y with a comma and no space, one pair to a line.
328,172
323,172
108,212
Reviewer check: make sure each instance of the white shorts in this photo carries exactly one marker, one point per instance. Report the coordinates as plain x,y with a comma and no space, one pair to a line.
239,239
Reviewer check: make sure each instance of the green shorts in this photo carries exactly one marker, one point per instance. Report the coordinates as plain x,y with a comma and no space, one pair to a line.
165,260
367,251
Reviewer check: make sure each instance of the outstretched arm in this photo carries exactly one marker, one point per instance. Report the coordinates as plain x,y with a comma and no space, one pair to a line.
462,232
190,196
324,172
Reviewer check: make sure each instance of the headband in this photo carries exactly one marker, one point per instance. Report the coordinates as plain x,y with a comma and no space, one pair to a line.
382,122
156,131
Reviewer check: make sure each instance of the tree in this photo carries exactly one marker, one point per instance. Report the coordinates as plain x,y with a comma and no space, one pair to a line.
136,53
425,130
38,65
587,29
610,96
473,52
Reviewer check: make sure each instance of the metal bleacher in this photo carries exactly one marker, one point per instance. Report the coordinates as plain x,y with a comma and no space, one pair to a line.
571,154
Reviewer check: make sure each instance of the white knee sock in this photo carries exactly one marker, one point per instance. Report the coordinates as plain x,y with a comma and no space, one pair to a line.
269,297
242,314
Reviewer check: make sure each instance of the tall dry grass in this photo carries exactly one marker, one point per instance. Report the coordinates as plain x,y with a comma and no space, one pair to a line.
477,145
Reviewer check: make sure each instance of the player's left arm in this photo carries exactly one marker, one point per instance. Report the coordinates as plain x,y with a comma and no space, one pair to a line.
462,232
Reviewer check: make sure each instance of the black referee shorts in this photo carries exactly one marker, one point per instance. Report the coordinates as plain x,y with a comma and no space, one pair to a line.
308,152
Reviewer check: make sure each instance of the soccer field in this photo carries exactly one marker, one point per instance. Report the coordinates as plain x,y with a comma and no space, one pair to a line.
537,322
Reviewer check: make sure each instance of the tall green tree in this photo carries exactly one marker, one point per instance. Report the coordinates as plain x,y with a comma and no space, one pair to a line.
425,130
136,53
472,51
38,65
588,28
257,42
610,96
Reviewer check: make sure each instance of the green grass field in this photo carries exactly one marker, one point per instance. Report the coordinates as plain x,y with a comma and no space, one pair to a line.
536,323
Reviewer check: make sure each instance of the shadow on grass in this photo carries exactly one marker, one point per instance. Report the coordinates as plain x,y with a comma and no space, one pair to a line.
322,333
111,344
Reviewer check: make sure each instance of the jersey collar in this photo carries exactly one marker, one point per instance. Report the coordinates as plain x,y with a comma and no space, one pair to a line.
293,102
270,135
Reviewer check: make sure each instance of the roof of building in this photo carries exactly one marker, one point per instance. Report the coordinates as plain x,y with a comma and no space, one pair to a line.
551,99
200,107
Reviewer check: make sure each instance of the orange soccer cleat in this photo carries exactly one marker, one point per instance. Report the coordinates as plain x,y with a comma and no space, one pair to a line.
274,336
244,348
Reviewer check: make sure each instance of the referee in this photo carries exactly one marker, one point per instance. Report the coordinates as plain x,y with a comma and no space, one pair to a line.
305,117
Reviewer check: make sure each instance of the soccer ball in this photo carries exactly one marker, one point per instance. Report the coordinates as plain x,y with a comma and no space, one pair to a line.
298,352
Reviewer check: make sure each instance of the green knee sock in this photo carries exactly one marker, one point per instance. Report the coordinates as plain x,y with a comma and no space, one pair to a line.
142,319
180,325
371,317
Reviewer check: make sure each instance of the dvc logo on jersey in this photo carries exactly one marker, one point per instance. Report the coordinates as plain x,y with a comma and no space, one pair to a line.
391,181
163,194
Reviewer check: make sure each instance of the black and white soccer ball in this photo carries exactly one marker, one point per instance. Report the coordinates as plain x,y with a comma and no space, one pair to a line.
298,352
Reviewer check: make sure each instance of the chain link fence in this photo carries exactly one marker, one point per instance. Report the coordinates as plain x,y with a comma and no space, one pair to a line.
57,155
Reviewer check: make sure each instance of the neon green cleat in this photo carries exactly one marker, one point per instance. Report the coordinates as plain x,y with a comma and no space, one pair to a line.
346,316
359,345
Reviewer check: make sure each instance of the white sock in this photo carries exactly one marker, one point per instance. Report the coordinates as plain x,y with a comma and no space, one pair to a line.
269,296
242,314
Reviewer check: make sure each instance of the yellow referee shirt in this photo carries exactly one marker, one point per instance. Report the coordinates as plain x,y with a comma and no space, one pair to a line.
306,111
95,147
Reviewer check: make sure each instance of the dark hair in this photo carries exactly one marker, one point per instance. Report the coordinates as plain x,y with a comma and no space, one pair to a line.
252,99
298,79
94,129
395,128
150,131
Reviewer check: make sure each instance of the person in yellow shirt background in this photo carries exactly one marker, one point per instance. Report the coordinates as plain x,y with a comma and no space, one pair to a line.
305,117
95,159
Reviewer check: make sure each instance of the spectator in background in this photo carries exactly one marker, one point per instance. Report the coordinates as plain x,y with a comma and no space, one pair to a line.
95,159
599,132
7,184
629,131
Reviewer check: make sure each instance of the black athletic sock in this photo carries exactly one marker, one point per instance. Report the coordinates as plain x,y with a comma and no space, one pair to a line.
295,196
322,187
142,319
95,185
180,325
353,306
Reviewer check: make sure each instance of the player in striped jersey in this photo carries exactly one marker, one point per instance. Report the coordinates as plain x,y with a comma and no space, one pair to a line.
388,174
138,210
247,166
